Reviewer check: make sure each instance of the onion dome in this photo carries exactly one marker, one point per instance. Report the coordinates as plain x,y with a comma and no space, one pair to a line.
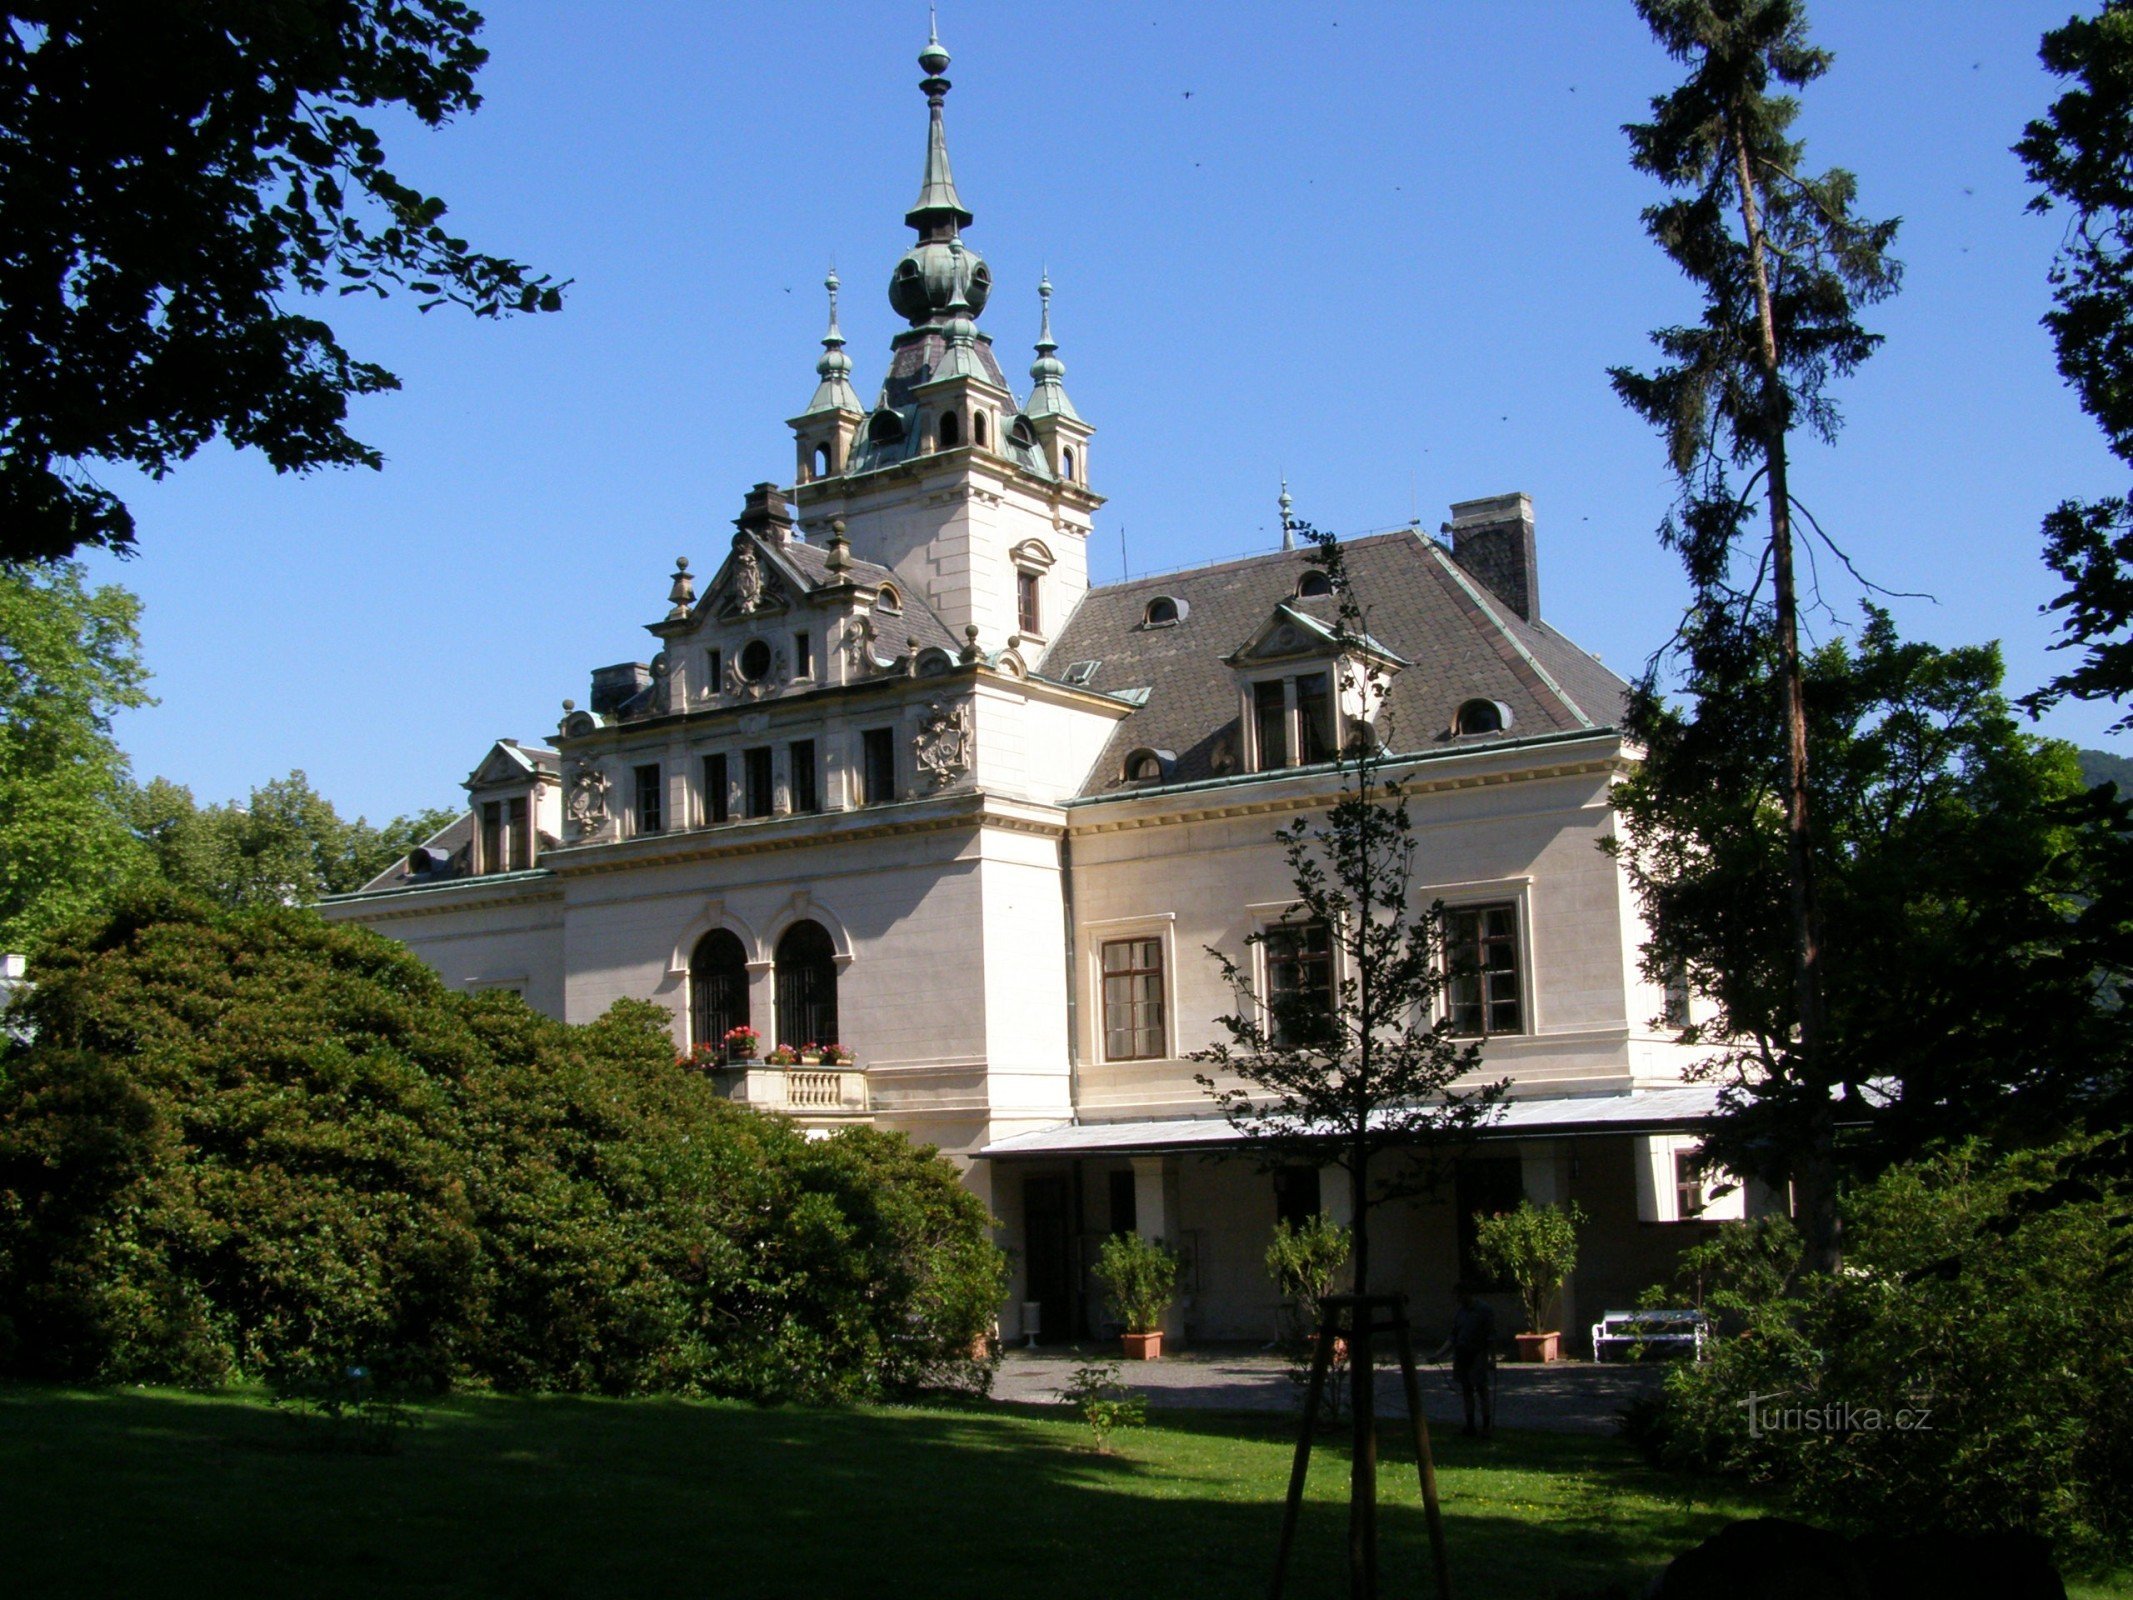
1048,396
834,392
931,275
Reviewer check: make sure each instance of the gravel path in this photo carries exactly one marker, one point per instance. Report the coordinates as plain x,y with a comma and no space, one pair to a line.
1560,1397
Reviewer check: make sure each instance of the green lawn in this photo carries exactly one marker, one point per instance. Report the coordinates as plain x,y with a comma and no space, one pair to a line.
151,1492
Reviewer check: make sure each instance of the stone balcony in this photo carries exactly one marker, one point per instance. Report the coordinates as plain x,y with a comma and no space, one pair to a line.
816,1095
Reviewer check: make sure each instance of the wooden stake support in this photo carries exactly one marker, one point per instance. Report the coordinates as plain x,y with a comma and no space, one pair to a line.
1355,1318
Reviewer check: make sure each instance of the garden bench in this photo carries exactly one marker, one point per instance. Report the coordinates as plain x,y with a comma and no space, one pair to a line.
1635,1333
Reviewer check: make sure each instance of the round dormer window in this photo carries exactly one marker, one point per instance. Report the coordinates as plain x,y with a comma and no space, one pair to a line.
755,661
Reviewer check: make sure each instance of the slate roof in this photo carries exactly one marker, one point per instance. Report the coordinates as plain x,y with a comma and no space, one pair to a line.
918,620
1460,642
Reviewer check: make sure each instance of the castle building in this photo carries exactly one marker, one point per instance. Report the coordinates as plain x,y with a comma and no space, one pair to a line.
897,778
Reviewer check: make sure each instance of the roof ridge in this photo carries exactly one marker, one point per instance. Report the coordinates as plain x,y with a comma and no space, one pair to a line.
1203,569
1532,662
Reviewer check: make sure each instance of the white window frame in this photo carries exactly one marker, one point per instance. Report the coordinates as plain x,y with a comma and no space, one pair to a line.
1518,892
1275,914
1291,719
1658,1200
1161,927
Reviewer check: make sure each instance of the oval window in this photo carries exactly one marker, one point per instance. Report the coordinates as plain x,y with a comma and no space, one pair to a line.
755,660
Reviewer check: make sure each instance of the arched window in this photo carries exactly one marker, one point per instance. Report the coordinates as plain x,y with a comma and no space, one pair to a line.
885,427
1022,433
1163,612
951,430
1481,716
807,986
977,427
889,599
1313,583
718,988
822,460
1144,766
1066,464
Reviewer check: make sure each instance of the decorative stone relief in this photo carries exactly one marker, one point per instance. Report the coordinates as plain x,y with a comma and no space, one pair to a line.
747,580
768,682
585,803
859,639
946,737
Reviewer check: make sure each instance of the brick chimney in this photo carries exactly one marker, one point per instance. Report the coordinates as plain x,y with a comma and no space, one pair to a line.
1493,540
766,515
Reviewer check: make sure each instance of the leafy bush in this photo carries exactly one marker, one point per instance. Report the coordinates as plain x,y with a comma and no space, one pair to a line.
1142,1275
1105,1403
1535,1247
252,1144
1306,1264
1970,1368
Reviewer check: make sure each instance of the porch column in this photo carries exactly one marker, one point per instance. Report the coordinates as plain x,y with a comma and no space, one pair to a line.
1544,1171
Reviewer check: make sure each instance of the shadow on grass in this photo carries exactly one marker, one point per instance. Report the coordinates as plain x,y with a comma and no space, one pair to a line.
154,1493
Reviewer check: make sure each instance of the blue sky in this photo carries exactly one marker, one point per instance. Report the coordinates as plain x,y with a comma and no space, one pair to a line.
1388,250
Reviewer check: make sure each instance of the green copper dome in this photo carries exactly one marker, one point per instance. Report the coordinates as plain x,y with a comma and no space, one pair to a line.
932,274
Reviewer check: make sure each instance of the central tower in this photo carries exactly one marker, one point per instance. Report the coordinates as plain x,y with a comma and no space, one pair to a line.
978,501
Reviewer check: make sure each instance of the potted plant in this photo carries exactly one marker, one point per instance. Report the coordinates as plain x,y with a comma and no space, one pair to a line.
783,1055
837,1055
701,1057
811,1054
1535,1247
1142,1277
742,1043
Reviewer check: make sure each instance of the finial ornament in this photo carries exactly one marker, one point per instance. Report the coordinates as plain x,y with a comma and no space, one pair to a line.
683,593
1288,534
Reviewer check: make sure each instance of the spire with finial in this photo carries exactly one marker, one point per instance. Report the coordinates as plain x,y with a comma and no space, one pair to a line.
961,359
929,274
1048,396
834,392
1288,528
937,198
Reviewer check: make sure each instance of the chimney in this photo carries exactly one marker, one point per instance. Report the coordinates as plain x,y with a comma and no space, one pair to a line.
1493,540
766,514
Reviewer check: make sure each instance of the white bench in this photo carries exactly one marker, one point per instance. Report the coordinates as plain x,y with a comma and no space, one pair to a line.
1633,1333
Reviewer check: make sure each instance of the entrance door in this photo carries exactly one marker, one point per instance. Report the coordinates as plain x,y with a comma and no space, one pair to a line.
1048,1254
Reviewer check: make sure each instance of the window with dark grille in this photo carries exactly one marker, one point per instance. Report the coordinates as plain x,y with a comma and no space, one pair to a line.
717,807
1296,1195
807,986
1482,988
1027,617
1484,1186
756,778
718,988
518,833
716,661
1688,1185
1314,718
806,794
877,766
1125,1207
648,799
803,654
1299,982
1270,717
492,836
1133,999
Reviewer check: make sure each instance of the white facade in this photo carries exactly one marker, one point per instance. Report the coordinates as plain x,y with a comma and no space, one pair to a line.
900,770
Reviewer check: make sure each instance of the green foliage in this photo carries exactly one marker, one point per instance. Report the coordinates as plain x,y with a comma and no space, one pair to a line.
1536,1247
254,1144
1105,1403
1730,1276
1986,1303
172,169
347,1410
1306,1265
285,846
2080,156
1142,1277
1966,895
1372,1069
69,658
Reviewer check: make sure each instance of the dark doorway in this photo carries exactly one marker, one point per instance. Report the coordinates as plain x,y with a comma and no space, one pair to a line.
1048,1255
1487,1185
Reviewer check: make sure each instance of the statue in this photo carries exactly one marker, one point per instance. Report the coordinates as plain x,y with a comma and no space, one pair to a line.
747,580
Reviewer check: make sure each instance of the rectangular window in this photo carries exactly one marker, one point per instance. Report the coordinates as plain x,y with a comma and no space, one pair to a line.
1270,719
1133,1000
877,767
1314,719
1688,1186
1296,1199
648,799
1299,982
756,776
1125,1207
716,804
1027,616
518,834
803,654
1482,988
806,794
716,662
492,836
1487,1186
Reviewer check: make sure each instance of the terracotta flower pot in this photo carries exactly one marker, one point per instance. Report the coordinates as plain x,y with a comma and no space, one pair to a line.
1143,1346
1539,1346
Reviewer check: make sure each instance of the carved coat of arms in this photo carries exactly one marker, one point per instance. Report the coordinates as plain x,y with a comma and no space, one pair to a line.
946,738
585,802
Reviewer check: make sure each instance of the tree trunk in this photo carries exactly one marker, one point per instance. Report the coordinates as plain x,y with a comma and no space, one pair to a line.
1814,1168
1363,1458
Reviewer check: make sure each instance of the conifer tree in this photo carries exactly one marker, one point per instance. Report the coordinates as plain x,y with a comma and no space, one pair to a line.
1783,265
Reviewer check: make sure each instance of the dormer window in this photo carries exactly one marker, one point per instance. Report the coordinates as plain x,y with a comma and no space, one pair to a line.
1163,612
1312,585
889,599
1482,716
885,427
506,835
1293,721
1022,433
1145,766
